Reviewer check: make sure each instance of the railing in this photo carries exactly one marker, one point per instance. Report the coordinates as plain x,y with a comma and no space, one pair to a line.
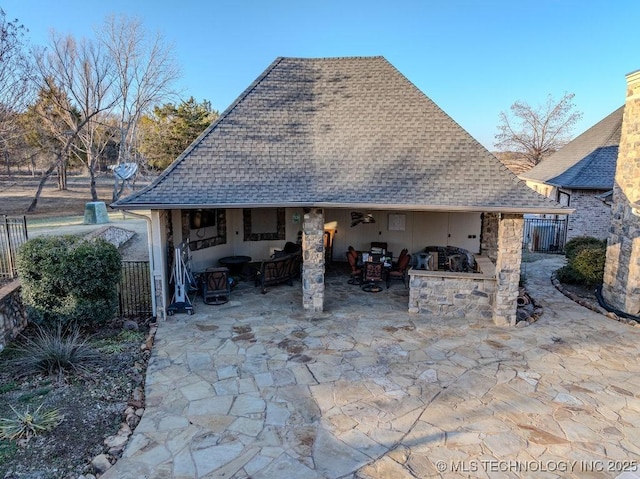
13,234
134,290
542,235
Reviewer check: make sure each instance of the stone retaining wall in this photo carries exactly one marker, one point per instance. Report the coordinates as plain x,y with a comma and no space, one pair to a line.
453,295
13,317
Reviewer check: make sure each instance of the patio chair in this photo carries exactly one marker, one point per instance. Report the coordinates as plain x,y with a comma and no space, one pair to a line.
399,271
356,271
216,288
372,276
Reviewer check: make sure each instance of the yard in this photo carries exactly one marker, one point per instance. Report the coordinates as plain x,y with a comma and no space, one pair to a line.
93,403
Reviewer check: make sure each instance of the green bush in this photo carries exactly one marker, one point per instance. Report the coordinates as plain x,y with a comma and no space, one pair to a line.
585,261
69,279
575,245
589,264
568,275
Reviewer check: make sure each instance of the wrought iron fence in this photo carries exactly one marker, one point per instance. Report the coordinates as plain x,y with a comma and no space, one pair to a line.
134,290
542,235
13,234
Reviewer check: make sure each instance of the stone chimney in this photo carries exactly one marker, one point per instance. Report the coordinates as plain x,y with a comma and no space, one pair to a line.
621,288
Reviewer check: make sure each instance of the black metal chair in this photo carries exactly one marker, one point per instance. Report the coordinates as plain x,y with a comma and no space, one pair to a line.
216,288
372,276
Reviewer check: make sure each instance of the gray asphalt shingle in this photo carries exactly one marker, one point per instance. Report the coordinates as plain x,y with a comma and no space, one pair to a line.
596,171
337,131
586,162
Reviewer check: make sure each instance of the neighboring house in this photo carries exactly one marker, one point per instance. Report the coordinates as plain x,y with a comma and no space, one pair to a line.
580,175
312,141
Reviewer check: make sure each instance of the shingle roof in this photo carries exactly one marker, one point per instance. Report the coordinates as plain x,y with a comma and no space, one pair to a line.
596,171
337,132
586,162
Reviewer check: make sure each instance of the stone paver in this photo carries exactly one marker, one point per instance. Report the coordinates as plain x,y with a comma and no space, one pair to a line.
257,388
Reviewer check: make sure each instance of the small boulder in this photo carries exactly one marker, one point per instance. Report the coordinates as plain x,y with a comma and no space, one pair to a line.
101,463
116,441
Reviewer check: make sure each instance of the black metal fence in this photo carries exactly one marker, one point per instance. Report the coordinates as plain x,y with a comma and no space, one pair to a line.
13,234
134,290
542,235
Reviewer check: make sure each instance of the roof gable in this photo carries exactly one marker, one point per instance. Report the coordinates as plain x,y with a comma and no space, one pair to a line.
580,153
337,131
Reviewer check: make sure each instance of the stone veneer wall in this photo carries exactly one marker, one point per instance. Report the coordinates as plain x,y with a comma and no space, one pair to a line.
313,260
592,217
13,317
621,288
451,295
510,232
489,236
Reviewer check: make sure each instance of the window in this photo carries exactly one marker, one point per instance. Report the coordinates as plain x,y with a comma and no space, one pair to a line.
264,224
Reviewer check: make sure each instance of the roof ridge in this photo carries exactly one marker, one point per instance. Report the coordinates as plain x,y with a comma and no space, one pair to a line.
618,127
356,57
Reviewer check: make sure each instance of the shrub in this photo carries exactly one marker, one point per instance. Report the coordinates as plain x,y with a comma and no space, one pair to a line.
589,264
67,278
573,246
26,424
53,351
568,275
585,261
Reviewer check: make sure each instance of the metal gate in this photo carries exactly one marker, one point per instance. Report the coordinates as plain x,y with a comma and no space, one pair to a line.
542,235
13,234
134,290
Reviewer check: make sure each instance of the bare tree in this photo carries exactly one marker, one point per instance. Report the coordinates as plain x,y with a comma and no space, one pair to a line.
78,78
15,89
537,132
146,70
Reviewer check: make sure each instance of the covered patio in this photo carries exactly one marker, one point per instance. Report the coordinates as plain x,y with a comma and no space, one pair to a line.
305,146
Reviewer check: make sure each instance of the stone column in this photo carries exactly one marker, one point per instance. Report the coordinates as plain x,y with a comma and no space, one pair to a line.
489,236
621,288
313,260
510,231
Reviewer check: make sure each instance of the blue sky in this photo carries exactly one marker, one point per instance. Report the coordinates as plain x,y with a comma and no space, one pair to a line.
473,58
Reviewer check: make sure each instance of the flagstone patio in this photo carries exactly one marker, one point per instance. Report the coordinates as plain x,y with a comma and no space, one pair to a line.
258,389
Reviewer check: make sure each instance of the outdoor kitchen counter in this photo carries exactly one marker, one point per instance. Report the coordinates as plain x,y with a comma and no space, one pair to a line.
486,270
454,294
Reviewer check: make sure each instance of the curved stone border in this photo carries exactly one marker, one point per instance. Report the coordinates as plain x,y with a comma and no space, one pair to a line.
589,304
